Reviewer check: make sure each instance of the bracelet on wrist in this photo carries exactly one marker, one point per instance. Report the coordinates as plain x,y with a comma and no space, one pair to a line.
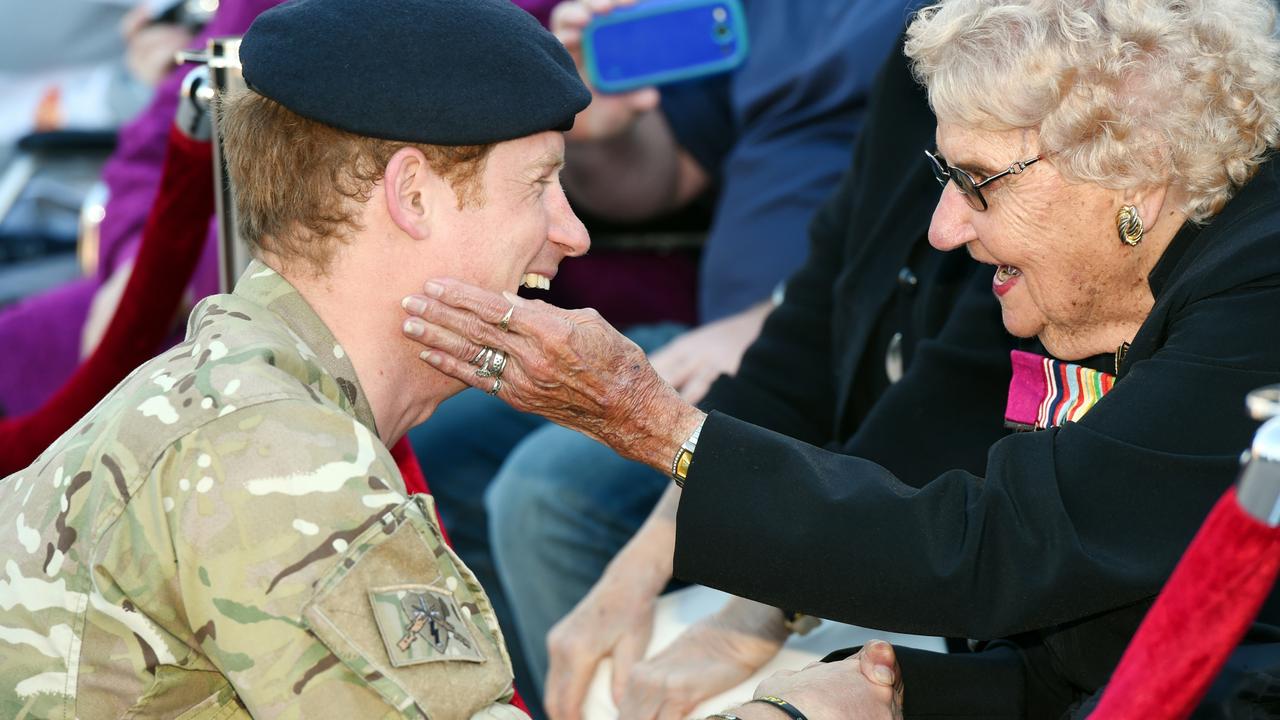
782,705
684,456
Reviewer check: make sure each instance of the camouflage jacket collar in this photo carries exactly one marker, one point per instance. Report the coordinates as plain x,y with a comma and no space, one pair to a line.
263,286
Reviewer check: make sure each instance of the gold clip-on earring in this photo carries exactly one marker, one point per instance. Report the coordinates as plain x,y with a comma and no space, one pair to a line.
1129,225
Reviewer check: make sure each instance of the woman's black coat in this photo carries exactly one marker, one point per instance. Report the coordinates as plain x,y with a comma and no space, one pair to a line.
818,487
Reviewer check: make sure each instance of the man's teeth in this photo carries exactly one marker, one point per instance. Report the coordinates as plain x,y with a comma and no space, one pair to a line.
536,281
1007,272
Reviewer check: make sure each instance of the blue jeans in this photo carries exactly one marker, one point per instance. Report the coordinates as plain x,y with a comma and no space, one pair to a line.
536,511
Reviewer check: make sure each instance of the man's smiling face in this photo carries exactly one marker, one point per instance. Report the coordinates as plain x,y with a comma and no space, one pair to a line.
522,227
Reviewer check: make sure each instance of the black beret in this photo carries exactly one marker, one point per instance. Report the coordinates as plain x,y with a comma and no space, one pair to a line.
443,72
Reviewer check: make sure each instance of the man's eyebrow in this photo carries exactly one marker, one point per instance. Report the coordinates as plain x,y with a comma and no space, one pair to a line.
549,162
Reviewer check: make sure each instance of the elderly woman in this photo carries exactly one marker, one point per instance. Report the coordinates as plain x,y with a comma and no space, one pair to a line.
1109,160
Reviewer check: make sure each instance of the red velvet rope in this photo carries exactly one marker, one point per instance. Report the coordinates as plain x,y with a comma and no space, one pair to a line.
171,243
1199,618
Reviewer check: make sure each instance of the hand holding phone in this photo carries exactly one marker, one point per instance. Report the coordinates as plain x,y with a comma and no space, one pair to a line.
608,115
655,42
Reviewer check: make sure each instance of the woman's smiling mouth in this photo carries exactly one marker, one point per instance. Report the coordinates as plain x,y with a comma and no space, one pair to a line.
1005,278
536,281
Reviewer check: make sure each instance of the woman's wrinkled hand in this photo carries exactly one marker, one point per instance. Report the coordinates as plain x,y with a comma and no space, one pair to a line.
569,366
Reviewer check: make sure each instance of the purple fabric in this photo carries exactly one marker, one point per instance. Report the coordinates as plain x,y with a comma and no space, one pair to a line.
540,9
47,327
46,331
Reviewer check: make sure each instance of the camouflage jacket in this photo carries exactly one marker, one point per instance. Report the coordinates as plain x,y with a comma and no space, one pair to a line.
225,536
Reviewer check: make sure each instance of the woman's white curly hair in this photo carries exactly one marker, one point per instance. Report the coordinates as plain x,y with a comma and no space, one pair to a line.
1124,93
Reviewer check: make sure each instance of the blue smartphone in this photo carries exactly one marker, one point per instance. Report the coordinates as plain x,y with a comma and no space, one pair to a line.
656,42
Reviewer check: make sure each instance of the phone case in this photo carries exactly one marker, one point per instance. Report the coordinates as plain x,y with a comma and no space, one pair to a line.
664,41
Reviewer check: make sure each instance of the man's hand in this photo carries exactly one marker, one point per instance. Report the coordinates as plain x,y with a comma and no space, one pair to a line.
608,116
614,620
866,686
694,360
711,656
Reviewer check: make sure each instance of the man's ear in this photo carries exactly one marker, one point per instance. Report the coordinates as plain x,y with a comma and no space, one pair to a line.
407,184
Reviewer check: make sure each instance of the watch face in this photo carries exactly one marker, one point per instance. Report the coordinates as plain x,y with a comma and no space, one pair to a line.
682,464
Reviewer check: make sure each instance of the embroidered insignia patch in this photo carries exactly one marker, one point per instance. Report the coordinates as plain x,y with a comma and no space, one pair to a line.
1045,393
421,624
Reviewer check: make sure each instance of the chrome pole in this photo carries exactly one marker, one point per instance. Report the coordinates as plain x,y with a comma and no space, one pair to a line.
223,75
1259,490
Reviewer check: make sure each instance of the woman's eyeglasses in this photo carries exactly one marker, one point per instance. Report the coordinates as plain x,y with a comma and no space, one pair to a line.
968,187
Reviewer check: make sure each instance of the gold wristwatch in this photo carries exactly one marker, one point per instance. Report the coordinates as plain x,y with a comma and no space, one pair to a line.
684,456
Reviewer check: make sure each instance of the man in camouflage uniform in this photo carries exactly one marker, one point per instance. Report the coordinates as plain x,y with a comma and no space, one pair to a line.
226,535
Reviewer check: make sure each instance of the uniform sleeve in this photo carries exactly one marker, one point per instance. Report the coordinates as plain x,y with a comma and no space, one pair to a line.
1066,523
300,563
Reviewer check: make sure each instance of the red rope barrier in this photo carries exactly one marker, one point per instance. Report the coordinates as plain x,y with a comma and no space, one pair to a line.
171,244
1199,618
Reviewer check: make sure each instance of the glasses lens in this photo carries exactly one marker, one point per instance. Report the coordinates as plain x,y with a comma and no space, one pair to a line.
964,182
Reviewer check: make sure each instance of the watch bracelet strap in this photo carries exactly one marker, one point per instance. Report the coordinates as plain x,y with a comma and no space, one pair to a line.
686,450
782,705
724,716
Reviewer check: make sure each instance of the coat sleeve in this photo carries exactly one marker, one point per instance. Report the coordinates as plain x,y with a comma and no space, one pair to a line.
1066,522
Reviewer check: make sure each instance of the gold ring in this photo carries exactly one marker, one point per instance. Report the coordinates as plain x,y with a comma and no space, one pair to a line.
506,319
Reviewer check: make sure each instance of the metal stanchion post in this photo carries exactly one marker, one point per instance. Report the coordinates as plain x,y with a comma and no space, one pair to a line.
222,75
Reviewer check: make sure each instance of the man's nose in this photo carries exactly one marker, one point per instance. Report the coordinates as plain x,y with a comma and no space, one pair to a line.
566,230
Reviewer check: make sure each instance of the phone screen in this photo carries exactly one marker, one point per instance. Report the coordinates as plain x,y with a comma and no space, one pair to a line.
640,46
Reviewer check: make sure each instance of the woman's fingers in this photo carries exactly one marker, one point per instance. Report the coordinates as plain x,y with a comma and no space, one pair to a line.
440,338
487,305
430,316
464,372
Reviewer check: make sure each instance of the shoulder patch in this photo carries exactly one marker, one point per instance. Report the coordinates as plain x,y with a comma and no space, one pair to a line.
421,624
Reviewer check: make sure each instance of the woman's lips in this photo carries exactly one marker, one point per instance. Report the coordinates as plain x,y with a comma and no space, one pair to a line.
1005,278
